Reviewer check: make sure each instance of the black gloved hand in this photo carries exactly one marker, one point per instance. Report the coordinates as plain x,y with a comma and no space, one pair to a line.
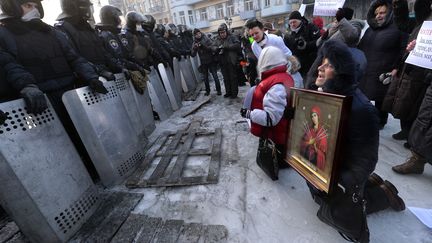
97,86
289,113
34,99
107,75
126,74
340,14
245,113
3,117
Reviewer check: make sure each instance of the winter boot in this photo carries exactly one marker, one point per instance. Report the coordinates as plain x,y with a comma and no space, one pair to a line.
391,193
375,179
414,165
402,135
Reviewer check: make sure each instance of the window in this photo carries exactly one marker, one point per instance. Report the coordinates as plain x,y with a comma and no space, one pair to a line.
248,5
203,14
175,18
266,3
191,17
182,17
230,8
219,11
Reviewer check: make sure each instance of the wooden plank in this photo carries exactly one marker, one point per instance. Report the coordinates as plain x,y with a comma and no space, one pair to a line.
149,230
170,231
191,233
18,238
130,229
136,177
192,152
8,231
215,233
166,159
213,173
177,170
196,106
109,202
106,231
104,223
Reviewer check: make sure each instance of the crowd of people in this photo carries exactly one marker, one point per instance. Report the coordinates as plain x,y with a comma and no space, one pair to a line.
38,59
371,67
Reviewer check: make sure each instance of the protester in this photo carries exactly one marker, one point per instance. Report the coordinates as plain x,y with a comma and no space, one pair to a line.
319,22
301,40
203,46
261,40
406,92
227,46
401,16
270,99
360,155
384,46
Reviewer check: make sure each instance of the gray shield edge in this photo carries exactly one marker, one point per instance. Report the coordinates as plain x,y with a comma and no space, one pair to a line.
145,109
106,131
173,94
159,97
126,94
194,63
178,76
186,72
43,179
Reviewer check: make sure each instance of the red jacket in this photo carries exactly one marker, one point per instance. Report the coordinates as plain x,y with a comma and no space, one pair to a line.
278,75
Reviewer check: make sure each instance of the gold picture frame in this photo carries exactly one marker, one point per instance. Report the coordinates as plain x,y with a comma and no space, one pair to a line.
316,134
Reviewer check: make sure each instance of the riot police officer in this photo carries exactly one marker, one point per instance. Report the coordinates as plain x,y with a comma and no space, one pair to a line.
137,43
46,54
148,26
162,37
74,22
175,41
109,29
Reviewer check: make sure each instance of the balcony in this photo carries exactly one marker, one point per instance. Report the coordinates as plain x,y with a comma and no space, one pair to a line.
247,14
202,24
275,10
178,3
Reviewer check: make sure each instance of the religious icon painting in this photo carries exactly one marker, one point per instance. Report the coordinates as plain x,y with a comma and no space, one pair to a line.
316,134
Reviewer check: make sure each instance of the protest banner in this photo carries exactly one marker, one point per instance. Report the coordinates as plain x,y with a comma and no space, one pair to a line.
327,7
422,54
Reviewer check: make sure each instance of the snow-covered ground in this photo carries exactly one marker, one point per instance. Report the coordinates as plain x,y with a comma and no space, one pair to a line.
256,209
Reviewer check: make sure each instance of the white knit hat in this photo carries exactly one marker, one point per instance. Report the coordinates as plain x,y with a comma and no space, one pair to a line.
270,57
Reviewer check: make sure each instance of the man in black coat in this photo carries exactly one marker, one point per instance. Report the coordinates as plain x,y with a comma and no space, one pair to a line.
301,40
203,46
227,46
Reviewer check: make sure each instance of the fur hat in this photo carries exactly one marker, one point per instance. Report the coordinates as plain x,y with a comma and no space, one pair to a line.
341,58
295,15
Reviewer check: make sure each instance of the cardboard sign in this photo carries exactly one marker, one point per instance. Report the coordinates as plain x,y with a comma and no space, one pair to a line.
422,54
327,7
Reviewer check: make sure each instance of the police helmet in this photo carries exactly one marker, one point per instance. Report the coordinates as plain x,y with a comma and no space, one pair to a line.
172,28
133,18
160,29
149,23
71,8
110,16
12,8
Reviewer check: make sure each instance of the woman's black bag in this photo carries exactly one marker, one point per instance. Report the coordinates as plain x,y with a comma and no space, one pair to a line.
267,158
346,212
